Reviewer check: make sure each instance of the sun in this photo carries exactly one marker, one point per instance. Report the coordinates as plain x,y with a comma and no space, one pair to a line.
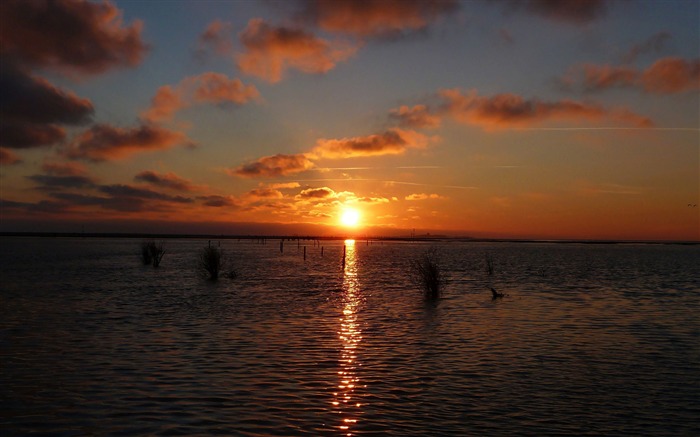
350,217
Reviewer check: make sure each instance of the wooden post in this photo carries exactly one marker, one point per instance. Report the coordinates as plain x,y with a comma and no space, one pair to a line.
304,253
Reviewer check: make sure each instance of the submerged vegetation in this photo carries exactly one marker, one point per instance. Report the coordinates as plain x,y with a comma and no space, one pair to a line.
427,273
151,253
211,263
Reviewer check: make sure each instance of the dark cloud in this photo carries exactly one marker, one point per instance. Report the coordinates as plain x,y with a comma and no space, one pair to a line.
123,204
75,36
274,166
218,201
391,142
51,182
375,18
504,111
32,99
63,168
105,142
317,193
32,109
23,135
128,191
168,180
7,157
567,11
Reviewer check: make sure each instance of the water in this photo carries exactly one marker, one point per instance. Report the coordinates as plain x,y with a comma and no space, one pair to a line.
590,340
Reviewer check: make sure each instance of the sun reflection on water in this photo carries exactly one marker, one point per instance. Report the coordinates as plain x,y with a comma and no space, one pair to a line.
345,401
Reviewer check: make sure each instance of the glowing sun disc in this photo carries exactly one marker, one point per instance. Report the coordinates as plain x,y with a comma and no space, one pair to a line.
350,218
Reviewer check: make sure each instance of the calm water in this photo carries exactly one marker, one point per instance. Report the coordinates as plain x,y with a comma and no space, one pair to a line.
591,340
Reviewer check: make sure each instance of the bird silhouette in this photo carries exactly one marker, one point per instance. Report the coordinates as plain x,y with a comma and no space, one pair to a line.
495,294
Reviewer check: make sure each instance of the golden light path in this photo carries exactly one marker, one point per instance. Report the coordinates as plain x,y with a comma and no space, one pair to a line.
345,400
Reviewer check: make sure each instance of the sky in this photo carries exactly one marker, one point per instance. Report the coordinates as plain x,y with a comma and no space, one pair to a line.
570,119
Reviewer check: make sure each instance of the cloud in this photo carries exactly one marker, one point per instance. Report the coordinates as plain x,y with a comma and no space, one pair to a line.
64,169
270,51
123,204
423,196
665,76
217,38
283,186
576,12
74,36
317,194
217,201
23,135
375,18
53,182
274,166
391,142
105,142
209,87
653,44
129,191
263,193
168,180
417,117
32,109
7,157
504,111
672,75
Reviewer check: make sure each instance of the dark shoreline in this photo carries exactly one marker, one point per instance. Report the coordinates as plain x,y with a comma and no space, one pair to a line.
422,238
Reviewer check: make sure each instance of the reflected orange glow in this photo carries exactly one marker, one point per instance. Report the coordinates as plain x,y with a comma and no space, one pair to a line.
350,336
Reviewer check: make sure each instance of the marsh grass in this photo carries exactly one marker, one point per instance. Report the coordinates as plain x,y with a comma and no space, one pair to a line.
211,263
151,253
427,273
489,264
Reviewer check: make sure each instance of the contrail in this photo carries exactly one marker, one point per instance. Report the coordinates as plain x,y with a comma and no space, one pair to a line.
460,187
687,129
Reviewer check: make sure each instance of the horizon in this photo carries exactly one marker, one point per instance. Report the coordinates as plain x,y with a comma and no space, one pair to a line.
522,120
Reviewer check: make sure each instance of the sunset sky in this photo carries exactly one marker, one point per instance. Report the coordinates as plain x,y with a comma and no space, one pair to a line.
512,119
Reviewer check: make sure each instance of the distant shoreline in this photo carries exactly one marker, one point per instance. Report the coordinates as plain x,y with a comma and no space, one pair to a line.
418,238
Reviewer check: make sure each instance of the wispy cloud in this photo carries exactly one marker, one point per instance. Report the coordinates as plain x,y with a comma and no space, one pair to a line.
424,196
416,117
511,110
270,51
209,87
665,76
375,18
577,12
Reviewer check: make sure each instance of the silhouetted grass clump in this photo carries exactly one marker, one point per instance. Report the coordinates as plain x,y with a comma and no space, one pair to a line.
152,253
211,263
427,273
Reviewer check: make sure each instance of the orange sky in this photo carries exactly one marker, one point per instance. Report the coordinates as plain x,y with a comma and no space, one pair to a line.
516,120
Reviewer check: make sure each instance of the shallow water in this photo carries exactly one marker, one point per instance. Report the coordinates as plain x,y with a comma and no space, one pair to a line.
590,339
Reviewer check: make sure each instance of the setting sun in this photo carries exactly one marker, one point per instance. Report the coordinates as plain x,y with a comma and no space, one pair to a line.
350,217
